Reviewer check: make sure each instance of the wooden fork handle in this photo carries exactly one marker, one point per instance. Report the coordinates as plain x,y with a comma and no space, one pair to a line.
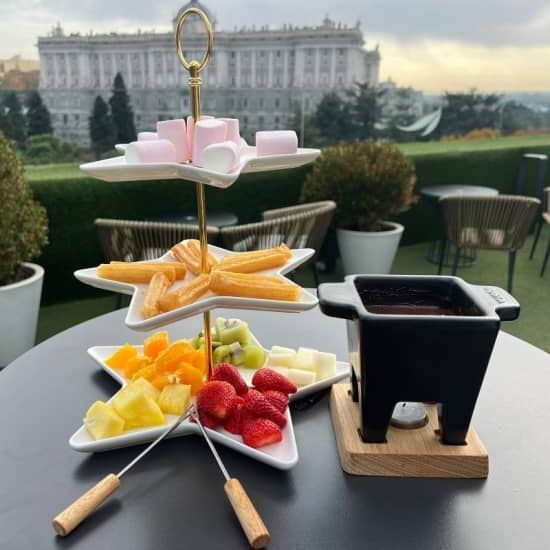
81,508
254,528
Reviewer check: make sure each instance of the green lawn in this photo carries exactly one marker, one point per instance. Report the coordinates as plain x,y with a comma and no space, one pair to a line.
532,292
43,172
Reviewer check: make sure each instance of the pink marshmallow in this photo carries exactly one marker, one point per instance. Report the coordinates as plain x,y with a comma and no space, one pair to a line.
207,132
232,130
220,157
144,152
176,132
147,136
277,142
191,131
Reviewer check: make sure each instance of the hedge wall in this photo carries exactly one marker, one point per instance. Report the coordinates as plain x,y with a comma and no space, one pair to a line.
74,204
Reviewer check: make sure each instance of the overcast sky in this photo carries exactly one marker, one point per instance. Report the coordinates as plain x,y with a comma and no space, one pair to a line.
429,44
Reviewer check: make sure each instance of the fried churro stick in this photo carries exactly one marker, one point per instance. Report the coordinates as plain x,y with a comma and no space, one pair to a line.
157,288
135,272
186,294
179,267
268,287
259,260
189,253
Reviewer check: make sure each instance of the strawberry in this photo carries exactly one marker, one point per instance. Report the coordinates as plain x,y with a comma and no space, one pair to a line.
207,420
233,422
215,399
278,399
258,432
228,373
268,379
256,403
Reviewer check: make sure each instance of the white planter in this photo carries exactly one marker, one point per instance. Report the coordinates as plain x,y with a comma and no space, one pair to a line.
369,252
19,305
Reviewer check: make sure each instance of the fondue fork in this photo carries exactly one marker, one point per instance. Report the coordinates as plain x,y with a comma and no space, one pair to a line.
254,528
81,508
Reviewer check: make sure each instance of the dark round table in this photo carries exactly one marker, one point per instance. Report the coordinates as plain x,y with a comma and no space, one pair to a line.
433,193
174,498
215,218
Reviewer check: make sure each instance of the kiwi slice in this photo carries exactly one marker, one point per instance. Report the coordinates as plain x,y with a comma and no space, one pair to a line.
253,357
232,330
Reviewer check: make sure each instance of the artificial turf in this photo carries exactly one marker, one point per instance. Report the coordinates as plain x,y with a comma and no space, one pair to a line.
532,292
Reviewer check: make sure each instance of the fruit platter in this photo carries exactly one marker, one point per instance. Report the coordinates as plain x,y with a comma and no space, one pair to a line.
176,288
160,378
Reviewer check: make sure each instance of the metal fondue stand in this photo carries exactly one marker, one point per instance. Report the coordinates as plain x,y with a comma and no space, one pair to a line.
195,68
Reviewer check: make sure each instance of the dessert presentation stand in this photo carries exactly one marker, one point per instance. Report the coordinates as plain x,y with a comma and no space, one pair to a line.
407,453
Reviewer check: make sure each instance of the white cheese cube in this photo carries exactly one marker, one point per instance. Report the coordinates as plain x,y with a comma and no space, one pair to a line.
281,349
301,377
325,365
305,359
281,359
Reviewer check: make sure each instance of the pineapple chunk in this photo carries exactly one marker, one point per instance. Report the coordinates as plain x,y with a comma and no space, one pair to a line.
102,421
301,377
174,398
137,408
147,388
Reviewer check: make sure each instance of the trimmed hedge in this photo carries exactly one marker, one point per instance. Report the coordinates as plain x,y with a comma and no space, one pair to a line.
74,203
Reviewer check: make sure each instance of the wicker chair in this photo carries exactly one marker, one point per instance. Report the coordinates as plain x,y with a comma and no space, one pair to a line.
545,219
492,223
133,241
301,226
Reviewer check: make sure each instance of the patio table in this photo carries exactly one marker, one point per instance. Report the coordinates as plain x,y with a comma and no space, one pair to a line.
174,498
433,193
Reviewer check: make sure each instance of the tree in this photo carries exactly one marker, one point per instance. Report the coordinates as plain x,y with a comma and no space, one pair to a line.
102,130
122,113
463,112
363,107
13,121
329,119
38,117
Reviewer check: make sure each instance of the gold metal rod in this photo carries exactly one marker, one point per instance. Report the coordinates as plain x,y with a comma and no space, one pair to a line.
194,68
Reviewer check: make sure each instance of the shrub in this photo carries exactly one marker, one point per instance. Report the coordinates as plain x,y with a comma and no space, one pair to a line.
369,182
23,223
48,149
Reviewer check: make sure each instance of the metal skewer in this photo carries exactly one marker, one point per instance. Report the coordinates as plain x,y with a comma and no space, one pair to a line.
81,508
254,528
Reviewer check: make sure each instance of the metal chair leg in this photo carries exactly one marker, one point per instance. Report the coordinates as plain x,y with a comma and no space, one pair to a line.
511,266
536,239
455,262
545,261
442,250
315,273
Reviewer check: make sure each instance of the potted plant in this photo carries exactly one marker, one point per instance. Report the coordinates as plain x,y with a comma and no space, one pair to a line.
23,233
369,182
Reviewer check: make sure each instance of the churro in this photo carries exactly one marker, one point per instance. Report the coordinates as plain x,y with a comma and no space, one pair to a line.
186,294
189,253
135,272
259,260
180,268
247,285
157,288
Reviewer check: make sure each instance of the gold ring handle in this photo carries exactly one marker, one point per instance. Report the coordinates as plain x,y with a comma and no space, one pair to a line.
195,64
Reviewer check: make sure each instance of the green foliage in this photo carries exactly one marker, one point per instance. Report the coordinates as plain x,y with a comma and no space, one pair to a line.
23,223
102,129
368,181
13,120
122,113
48,149
38,117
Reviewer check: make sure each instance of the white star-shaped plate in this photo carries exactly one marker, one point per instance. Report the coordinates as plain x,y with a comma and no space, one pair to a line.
208,301
282,455
117,169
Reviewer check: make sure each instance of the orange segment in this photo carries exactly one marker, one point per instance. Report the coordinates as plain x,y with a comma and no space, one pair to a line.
156,343
171,358
135,364
147,372
199,361
190,376
119,359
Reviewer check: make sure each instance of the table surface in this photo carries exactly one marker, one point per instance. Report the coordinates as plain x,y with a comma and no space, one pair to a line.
217,218
174,498
438,191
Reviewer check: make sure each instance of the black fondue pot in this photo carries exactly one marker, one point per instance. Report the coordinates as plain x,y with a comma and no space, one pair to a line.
417,338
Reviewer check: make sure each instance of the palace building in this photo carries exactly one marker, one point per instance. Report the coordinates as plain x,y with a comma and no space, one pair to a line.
262,76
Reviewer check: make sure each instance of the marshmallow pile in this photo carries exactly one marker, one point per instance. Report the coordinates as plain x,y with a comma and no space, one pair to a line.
211,143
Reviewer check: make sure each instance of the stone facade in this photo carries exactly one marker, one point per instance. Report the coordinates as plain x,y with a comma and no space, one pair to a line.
256,75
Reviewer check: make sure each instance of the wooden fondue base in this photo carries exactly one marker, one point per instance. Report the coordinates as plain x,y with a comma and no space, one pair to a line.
408,453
